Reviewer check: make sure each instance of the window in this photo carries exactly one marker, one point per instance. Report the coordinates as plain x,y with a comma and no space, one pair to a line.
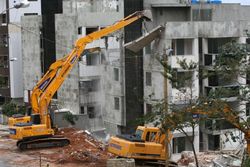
179,144
91,30
213,79
4,81
30,14
4,18
248,79
4,40
79,30
91,112
148,108
180,46
148,79
89,86
4,62
92,59
248,109
116,74
117,103
182,79
82,109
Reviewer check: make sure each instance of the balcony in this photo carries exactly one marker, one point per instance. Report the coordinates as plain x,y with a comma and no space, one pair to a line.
89,98
89,71
229,92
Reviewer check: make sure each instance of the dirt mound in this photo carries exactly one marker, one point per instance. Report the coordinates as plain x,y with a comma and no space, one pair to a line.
83,148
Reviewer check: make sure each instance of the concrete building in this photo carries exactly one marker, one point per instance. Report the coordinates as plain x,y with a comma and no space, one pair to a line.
11,81
194,32
109,87
96,87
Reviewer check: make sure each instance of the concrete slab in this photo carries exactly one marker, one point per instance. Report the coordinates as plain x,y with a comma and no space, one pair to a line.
143,41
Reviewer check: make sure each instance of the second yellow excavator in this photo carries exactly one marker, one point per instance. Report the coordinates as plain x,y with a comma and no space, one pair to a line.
35,131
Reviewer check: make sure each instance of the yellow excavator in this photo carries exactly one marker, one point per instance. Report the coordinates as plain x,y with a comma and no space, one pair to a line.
36,131
148,143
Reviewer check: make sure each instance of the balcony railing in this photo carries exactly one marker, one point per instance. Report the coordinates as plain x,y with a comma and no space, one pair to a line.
88,98
223,91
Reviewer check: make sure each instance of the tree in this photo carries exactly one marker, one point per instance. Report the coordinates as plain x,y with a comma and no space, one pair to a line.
171,116
10,109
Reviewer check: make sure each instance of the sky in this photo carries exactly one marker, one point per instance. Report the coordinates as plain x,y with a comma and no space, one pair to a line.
243,2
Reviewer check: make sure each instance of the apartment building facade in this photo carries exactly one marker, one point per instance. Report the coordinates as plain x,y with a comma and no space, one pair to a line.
11,80
194,32
96,86
110,86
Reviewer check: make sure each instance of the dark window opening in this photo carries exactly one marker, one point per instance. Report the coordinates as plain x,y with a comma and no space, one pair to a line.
4,81
2,100
4,62
91,112
82,110
148,79
208,59
180,46
89,86
79,30
30,14
91,30
213,142
179,145
4,18
182,79
116,74
213,79
148,108
117,103
248,109
92,59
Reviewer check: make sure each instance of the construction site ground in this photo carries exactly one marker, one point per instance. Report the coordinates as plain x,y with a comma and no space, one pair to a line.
84,150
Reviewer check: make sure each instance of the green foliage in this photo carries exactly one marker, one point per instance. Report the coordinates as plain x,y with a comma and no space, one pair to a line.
246,162
70,118
10,109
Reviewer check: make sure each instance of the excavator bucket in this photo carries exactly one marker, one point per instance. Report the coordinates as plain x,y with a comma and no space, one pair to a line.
147,15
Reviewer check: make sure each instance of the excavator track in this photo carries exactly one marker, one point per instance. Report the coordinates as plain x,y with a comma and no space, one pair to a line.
43,143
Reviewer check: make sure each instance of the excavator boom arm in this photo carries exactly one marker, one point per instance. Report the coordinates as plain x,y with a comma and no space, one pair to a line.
58,71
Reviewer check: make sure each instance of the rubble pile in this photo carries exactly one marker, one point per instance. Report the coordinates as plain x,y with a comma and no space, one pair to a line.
83,148
208,159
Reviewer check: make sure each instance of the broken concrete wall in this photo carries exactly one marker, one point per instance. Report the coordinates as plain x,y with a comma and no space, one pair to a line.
66,35
82,121
81,15
88,6
31,51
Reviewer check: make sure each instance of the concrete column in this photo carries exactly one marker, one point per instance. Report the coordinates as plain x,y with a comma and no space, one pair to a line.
197,140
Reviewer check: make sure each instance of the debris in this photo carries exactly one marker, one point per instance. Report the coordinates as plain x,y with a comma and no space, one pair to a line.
83,148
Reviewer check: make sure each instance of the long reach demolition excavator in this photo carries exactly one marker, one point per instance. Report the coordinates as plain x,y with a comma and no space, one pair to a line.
36,131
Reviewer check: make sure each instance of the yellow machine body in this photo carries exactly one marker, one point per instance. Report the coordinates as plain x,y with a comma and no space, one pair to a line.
28,132
148,145
20,133
12,121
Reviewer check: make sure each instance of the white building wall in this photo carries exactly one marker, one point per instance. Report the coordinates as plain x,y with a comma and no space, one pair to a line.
15,52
